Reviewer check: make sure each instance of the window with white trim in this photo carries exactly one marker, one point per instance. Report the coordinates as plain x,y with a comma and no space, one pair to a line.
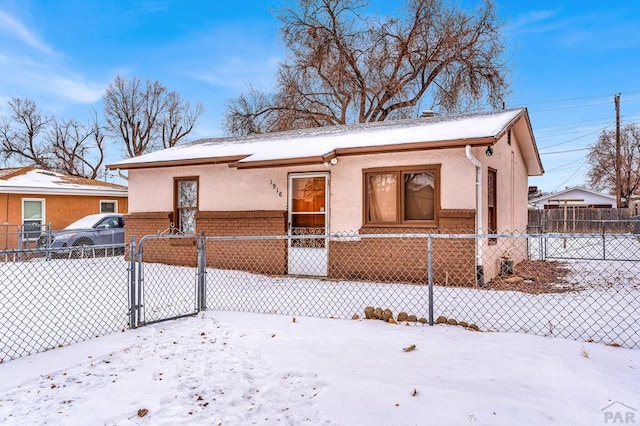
108,206
32,218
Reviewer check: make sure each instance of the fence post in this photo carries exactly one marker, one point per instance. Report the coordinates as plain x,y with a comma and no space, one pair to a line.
132,284
141,316
202,270
604,241
430,276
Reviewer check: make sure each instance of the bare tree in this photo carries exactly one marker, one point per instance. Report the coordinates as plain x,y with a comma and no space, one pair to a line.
21,132
602,159
77,149
178,120
147,116
344,66
65,146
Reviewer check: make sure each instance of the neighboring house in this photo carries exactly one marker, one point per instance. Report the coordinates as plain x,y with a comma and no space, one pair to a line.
579,210
574,197
31,199
458,174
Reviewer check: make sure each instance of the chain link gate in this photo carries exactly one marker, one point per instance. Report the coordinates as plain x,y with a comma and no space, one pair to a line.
167,278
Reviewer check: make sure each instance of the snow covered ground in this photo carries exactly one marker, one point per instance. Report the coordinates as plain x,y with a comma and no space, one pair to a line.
47,304
585,246
243,368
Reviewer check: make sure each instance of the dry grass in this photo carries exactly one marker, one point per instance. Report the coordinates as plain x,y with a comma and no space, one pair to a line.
537,277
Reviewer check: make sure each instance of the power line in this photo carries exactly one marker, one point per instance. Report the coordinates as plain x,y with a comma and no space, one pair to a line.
579,98
572,124
570,177
573,107
565,166
571,140
564,152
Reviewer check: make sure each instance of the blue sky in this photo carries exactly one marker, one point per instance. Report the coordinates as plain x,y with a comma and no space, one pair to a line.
567,59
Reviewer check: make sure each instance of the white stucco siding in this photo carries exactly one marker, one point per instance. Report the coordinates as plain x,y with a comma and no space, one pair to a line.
150,190
228,189
223,188
512,184
512,187
456,173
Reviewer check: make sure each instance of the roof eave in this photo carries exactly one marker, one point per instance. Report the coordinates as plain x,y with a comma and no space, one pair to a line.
176,163
536,163
63,191
236,162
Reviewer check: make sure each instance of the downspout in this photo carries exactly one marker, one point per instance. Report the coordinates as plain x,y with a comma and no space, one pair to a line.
479,218
122,175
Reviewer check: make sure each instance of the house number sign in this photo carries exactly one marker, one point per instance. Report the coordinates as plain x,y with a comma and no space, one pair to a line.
275,188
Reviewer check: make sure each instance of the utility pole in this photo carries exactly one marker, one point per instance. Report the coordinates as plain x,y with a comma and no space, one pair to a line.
616,100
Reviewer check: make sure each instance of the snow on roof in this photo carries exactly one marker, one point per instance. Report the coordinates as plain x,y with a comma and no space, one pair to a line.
39,181
573,189
324,141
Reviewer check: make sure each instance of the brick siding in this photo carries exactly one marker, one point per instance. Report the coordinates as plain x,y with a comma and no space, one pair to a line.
405,260
387,260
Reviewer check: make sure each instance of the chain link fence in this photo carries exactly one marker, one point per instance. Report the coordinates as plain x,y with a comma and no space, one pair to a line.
602,227
17,238
48,302
577,286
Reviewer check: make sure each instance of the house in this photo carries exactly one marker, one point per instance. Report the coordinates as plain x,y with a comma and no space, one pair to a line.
31,198
455,174
574,197
579,210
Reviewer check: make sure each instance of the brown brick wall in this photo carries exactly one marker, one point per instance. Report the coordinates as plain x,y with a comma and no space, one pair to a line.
457,221
405,259
141,224
172,252
260,256
255,222
387,260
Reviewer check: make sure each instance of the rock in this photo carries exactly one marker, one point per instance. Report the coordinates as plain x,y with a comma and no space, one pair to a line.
392,321
402,316
473,327
355,317
463,324
412,318
441,320
368,312
386,314
377,313
423,320
451,321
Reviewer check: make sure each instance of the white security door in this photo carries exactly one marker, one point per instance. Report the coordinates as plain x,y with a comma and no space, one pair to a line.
308,215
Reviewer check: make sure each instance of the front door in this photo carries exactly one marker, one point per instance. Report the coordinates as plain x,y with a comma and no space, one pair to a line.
308,215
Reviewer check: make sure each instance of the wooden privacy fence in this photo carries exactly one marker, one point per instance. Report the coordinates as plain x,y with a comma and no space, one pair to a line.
583,221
